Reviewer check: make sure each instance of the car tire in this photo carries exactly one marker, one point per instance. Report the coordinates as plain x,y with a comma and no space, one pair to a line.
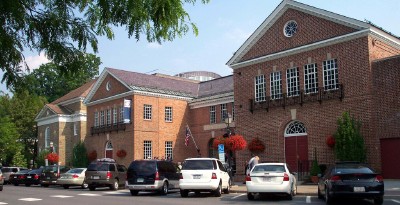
328,199
134,192
378,200
45,185
92,188
84,185
184,193
227,190
115,185
250,196
27,185
16,184
319,194
65,186
218,191
164,189
1,188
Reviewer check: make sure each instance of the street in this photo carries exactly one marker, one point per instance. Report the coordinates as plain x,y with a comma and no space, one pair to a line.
21,195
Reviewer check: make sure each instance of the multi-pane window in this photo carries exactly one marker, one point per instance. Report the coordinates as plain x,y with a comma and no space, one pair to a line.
115,115
331,76
168,150
213,118
224,112
147,112
102,118
259,85
310,78
96,119
121,113
47,137
108,116
147,150
276,85
293,82
168,114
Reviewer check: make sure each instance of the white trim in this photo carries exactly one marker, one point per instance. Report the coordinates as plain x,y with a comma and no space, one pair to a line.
211,102
71,101
389,39
81,117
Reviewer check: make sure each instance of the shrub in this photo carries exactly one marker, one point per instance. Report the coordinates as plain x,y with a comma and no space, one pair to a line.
80,158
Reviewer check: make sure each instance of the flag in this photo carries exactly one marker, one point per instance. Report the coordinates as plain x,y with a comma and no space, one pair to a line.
187,136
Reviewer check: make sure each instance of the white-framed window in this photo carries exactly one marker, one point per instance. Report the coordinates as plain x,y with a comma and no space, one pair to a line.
260,88
75,128
213,117
101,118
293,82
168,150
147,112
108,116
121,113
310,78
276,85
96,119
47,137
115,115
147,150
224,112
168,114
331,75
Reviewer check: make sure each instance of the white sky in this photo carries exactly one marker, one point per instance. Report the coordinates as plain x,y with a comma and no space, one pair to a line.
224,25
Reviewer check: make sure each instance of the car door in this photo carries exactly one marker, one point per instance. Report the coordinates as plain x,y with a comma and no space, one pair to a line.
121,173
224,174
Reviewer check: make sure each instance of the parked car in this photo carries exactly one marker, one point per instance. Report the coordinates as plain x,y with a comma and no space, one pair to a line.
351,179
1,181
73,177
33,177
152,175
51,173
271,178
105,172
18,178
7,171
203,175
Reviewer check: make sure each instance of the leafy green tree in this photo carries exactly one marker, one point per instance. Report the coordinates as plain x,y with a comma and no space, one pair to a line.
19,159
40,160
80,158
9,137
63,29
349,141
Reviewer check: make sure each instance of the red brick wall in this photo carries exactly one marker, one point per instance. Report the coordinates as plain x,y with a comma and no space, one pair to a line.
116,88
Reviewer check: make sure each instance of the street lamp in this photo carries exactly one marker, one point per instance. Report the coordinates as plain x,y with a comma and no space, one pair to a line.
228,120
51,147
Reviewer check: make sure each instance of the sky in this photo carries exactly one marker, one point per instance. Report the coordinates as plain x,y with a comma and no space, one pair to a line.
224,25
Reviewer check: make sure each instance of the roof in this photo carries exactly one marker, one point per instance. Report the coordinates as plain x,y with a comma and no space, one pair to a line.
57,109
82,91
216,86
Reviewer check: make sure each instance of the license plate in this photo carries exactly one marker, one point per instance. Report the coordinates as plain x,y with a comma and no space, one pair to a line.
359,189
198,176
95,177
267,179
140,180
28,177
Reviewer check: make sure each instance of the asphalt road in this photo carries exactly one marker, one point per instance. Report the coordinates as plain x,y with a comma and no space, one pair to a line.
21,195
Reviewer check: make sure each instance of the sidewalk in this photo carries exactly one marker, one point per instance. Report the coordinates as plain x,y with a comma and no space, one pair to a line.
309,190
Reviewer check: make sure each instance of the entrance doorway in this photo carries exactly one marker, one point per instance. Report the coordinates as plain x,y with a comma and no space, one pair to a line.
109,150
296,147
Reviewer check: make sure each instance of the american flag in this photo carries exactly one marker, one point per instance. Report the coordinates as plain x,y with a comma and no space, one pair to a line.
187,136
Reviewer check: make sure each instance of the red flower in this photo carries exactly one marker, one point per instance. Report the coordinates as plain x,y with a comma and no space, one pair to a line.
256,145
121,153
330,141
52,157
236,142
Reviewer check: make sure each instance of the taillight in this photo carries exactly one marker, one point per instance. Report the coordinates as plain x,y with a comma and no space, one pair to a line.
379,178
75,176
285,177
157,176
180,176
109,175
22,177
214,176
36,176
248,178
335,178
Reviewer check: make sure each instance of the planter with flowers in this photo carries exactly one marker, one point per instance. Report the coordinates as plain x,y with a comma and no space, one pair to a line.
121,153
256,146
330,141
233,143
52,158
92,155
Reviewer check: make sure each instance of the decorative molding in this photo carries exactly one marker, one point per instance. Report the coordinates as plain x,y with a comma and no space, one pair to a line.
80,117
212,100
217,126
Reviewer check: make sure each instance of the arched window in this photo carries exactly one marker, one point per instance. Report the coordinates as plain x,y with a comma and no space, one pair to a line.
109,146
109,150
47,137
295,128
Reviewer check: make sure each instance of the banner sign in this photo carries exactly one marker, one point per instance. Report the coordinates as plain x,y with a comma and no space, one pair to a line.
127,111
221,153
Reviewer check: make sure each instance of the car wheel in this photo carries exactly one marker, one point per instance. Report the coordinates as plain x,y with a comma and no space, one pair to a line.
319,194
16,184
328,199
164,189
197,192
115,185
227,190
92,188
378,200
294,189
1,188
27,185
184,193
218,191
134,192
250,196
45,185
65,186
84,185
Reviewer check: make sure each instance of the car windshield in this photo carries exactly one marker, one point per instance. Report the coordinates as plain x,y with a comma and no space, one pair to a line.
35,171
75,171
198,165
350,169
98,167
50,169
143,166
269,168
23,171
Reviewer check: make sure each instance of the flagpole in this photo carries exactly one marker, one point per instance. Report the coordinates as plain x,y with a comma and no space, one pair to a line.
195,144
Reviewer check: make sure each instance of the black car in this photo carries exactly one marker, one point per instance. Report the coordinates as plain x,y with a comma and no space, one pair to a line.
152,175
33,177
51,173
18,178
351,180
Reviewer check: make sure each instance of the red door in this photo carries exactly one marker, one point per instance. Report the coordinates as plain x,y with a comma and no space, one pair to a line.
109,154
390,153
296,152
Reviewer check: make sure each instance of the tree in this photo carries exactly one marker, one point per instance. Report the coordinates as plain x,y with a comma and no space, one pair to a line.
40,160
349,141
8,140
80,158
19,159
63,29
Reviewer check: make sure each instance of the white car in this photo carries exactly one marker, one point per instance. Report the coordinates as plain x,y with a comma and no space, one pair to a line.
203,175
271,178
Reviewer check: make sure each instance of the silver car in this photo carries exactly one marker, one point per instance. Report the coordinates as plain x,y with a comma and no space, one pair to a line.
74,177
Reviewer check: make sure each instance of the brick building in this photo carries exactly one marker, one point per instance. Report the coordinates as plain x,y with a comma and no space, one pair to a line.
301,69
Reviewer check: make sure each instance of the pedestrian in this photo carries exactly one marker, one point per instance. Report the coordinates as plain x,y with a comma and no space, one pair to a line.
252,162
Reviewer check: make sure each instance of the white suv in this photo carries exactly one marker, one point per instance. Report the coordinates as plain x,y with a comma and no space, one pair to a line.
203,174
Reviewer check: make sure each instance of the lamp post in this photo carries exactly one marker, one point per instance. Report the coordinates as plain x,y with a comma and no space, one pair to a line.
51,147
228,120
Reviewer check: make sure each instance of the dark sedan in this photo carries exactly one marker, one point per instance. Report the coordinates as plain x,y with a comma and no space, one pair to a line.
352,180
33,177
19,177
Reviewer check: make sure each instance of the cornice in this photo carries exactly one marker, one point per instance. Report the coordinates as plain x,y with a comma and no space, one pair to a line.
79,117
211,101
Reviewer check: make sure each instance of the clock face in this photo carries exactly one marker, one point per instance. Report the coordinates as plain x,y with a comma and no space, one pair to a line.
108,86
290,28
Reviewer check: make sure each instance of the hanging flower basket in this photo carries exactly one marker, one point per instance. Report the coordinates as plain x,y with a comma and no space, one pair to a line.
219,140
121,153
256,146
235,143
92,155
52,158
330,141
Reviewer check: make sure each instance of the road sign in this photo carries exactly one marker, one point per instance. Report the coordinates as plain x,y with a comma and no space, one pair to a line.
221,153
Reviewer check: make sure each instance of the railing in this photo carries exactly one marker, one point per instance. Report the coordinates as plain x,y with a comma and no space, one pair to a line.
301,98
107,128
